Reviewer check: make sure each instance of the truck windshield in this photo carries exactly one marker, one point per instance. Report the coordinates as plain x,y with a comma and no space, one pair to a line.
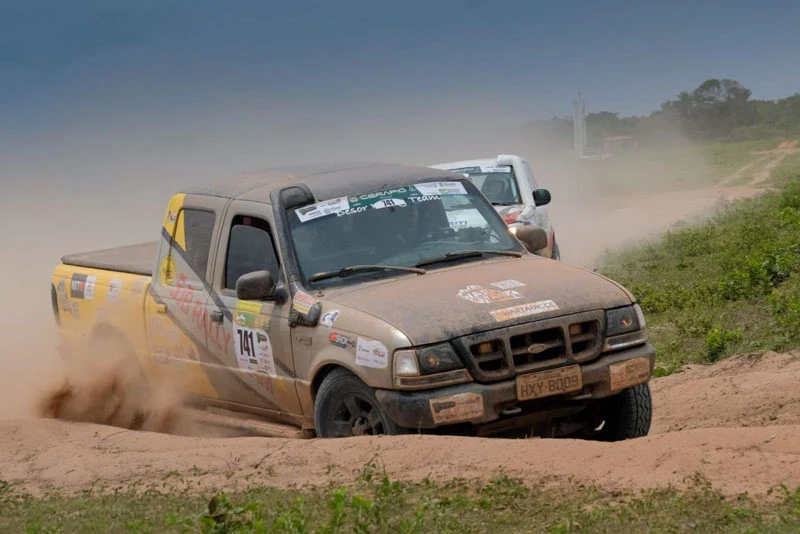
498,184
400,227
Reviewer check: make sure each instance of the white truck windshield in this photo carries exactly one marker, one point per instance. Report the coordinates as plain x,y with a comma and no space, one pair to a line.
498,184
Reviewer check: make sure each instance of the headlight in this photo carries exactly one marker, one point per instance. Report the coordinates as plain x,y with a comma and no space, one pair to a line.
625,327
621,321
438,359
514,226
426,361
433,366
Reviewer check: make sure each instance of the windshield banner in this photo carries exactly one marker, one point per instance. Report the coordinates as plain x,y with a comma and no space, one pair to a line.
392,198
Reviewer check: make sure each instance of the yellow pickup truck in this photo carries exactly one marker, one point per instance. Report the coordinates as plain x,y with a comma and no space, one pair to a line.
339,301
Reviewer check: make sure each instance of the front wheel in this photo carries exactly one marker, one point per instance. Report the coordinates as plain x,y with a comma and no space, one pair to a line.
346,407
627,415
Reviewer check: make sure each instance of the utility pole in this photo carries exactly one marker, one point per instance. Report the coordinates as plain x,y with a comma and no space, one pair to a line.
579,126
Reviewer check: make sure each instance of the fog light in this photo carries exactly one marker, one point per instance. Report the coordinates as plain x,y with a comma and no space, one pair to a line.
485,348
405,363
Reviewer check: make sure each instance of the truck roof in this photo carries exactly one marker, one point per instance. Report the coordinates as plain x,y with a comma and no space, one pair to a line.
325,180
483,162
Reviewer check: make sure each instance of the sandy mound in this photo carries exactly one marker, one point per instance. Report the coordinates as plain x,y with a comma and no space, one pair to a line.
744,391
698,429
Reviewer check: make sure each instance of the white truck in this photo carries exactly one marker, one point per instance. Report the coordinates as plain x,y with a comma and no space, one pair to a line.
508,182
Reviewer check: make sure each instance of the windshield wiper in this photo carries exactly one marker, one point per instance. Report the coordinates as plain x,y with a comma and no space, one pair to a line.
461,254
355,268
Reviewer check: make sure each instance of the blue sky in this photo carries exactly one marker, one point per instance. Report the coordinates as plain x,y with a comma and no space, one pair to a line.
127,77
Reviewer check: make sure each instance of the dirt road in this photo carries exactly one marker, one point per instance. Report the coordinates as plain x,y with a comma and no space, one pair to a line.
625,219
736,423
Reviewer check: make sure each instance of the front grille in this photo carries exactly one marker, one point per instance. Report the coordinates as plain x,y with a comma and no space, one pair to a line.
506,352
538,346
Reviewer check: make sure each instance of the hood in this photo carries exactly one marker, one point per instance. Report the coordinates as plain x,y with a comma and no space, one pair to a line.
479,296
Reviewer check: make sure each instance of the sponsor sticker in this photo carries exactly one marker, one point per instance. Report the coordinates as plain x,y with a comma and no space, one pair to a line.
340,340
248,306
114,290
441,188
302,302
321,209
461,407
524,310
630,373
61,295
372,354
484,295
466,171
82,286
252,346
503,168
329,318
507,284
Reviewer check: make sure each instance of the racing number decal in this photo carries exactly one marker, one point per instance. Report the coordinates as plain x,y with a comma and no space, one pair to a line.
246,342
252,344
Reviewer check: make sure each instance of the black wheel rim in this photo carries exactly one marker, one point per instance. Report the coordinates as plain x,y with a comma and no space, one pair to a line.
356,416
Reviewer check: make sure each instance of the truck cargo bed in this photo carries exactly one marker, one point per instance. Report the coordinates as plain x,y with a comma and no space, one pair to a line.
134,259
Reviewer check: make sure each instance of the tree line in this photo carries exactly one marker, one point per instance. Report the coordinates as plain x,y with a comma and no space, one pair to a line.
718,110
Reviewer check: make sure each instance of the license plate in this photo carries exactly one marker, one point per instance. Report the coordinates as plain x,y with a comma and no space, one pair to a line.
630,373
547,383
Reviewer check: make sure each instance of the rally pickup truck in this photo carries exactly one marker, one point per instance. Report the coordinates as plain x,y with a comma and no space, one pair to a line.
339,301
508,182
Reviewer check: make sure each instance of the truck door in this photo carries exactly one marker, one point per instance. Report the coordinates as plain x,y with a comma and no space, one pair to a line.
174,307
259,355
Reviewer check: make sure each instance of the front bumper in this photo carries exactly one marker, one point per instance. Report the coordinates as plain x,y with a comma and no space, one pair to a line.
482,403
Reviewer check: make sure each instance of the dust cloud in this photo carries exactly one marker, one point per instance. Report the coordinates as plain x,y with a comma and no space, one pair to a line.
107,387
90,188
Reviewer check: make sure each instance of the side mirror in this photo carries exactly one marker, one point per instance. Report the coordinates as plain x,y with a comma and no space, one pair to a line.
257,285
541,197
533,237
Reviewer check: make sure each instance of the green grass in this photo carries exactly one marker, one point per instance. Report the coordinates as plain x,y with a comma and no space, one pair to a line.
726,158
785,171
728,286
376,504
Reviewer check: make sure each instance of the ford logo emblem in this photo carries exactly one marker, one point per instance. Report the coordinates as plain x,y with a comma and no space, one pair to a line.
537,348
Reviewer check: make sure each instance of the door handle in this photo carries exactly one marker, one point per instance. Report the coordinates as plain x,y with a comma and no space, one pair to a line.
217,316
161,308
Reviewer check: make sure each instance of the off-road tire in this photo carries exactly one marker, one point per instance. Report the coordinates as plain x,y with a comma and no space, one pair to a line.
340,392
628,414
556,253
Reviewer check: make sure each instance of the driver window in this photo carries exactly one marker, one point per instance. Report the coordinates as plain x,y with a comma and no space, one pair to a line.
250,248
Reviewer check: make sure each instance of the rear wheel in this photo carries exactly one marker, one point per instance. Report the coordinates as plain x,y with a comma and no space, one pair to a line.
627,415
346,407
